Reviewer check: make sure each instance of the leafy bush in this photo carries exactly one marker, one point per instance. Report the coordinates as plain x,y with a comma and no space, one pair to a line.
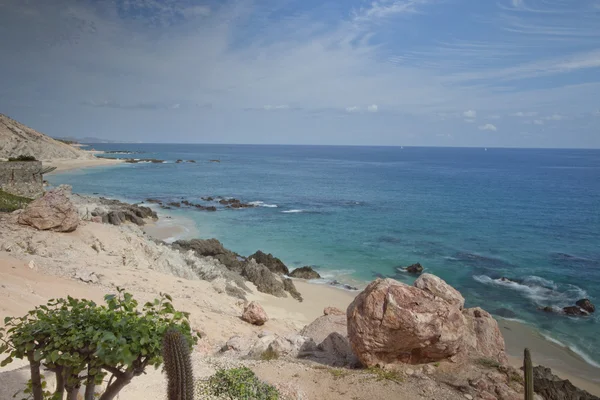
82,342
10,202
237,384
22,158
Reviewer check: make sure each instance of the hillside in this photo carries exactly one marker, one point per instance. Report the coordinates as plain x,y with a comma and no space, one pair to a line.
17,139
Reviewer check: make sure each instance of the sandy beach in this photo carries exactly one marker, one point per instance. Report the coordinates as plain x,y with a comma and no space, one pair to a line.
63,165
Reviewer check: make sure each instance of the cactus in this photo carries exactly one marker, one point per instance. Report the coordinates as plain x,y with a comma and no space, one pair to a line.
178,366
528,369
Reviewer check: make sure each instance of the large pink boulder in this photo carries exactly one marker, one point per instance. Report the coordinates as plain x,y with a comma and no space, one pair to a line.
53,211
255,314
438,287
392,322
484,338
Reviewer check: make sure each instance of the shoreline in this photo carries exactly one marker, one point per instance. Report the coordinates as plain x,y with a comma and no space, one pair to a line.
63,165
517,335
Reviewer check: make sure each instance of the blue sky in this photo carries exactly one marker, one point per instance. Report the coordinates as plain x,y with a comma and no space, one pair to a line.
522,73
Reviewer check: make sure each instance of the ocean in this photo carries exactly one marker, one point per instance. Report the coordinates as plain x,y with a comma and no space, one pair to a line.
469,215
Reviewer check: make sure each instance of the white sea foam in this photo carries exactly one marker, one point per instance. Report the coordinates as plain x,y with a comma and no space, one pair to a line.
262,204
573,348
539,290
292,211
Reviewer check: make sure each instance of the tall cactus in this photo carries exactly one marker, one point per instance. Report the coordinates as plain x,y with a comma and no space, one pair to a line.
528,369
178,366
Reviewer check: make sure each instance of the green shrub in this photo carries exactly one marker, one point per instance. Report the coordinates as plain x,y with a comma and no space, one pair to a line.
10,202
22,158
82,342
237,384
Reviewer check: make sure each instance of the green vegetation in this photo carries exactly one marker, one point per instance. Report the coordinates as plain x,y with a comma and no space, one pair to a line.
178,366
338,373
237,384
82,342
269,354
67,141
22,158
488,363
386,375
10,202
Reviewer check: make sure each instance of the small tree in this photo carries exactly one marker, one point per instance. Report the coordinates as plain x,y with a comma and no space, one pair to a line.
83,343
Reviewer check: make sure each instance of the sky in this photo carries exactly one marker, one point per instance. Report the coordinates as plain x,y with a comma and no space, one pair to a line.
504,73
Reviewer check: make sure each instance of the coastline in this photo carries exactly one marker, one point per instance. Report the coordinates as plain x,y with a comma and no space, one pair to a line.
63,165
563,362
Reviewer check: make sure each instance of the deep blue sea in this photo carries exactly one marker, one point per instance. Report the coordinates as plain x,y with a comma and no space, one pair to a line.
469,215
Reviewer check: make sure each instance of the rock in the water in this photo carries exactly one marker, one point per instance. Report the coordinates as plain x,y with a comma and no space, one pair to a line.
53,211
289,287
255,314
393,322
273,263
263,278
333,311
438,287
586,305
551,387
574,310
414,269
305,273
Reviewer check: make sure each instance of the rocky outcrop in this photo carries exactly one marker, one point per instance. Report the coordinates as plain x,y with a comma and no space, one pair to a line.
305,273
116,212
414,269
288,286
18,139
586,305
551,387
437,287
575,310
255,314
331,335
333,311
274,264
263,278
323,326
392,322
53,211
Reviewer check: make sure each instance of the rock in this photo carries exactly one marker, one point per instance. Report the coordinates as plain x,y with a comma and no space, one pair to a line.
86,276
586,305
547,309
551,387
273,263
305,273
414,269
288,286
438,287
265,280
333,311
506,313
178,161
342,285
483,338
97,219
574,310
204,248
335,350
392,322
53,211
255,314
468,396
153,201
322,327
191,161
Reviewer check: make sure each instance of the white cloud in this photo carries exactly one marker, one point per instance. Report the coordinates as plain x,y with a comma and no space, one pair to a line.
277,107
352,109
386,8
488,127
470,121
470,114
525,114
538,122
373,108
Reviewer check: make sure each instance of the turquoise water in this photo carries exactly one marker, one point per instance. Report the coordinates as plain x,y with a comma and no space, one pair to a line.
470,216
